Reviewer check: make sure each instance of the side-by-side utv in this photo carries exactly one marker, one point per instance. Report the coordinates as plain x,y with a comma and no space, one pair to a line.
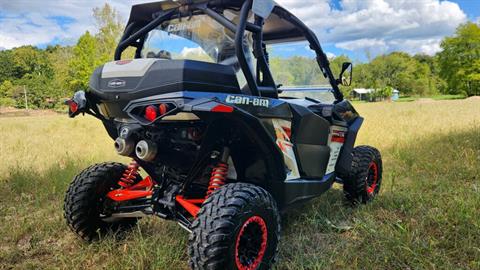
198,111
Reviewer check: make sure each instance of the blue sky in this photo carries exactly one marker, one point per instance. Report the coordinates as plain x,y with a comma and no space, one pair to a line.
353,27
470,7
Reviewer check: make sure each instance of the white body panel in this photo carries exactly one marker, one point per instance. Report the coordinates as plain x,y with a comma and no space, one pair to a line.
335,142
127,68
284,143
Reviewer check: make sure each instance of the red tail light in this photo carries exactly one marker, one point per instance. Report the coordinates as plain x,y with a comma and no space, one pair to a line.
151,113
154,112
73,106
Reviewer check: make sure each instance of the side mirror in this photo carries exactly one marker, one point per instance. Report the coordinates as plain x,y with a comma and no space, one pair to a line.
346,75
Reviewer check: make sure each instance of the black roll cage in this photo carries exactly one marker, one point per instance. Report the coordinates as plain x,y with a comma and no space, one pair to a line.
262,84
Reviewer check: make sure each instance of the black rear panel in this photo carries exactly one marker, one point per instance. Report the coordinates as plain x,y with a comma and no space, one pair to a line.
164,76
310,135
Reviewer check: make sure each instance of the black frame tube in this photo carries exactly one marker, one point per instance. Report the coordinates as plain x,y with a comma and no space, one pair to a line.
226,22
239,31
149,27
242,59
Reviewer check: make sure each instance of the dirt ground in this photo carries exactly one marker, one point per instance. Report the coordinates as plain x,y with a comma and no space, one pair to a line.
474,98
14,112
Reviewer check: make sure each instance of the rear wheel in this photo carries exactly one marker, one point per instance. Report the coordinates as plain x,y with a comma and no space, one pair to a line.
86,203
238,227
364,183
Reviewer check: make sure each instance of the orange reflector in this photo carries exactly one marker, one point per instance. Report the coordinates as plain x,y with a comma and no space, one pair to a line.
163,108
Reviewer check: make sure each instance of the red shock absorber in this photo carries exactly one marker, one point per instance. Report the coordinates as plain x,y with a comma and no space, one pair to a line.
129,175
218,178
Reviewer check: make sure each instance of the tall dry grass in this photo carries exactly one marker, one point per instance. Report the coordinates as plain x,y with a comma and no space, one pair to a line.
427,216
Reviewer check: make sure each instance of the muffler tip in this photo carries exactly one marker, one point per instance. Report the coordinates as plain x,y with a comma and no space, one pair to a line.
124,147
146,150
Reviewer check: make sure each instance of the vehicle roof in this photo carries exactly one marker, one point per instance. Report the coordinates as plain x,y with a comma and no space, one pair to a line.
276,29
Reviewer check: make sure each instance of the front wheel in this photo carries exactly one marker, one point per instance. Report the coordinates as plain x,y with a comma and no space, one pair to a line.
238,227
365,180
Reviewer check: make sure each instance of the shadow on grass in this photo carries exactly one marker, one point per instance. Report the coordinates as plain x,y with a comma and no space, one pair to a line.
47,185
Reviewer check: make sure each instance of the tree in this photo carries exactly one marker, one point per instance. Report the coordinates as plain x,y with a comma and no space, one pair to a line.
31,60
93,51
398,70
110,28
39,91
7,70
59,58
433,64
459,60
85,58
6,91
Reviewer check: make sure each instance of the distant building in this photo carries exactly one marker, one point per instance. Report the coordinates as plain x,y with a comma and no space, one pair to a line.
367,94
395,95
362,94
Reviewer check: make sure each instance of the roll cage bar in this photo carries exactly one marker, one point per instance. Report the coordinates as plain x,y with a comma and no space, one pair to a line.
262,84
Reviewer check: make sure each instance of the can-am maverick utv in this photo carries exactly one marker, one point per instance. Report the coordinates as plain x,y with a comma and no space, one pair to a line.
223,153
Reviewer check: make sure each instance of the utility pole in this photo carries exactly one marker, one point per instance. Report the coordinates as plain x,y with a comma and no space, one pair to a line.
26,99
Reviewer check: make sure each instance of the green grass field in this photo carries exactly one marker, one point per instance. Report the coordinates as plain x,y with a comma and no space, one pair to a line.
426,217
435,97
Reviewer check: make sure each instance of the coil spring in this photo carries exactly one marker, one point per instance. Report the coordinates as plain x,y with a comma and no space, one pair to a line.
218,178
129,175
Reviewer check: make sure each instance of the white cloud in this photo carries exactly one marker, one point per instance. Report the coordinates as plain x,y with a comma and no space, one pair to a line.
412,46
27,22
375,25
186,52
330,55
361,44
381,25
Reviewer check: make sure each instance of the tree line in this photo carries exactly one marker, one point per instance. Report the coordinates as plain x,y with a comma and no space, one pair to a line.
51,74
454,70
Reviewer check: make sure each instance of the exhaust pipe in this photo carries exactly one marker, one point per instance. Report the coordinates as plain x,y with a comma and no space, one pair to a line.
124,147
146,150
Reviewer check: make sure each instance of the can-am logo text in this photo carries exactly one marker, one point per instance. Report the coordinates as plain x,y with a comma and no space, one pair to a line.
179,27
116,83
238,100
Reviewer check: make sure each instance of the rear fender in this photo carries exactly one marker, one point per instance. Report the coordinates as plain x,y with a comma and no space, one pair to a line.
249,133
344,163
251,127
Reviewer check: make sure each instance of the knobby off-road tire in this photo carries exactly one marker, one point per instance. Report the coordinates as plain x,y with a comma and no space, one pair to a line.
364,183
238,227
85,198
